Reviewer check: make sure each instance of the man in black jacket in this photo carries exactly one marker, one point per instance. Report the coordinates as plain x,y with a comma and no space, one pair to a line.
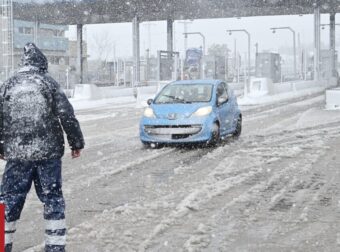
34,111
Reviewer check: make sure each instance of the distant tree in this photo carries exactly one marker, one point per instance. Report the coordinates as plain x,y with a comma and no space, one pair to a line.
217,50
103,45
104,50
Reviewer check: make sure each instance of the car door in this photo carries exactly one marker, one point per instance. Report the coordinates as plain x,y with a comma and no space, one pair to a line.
231,100
224,108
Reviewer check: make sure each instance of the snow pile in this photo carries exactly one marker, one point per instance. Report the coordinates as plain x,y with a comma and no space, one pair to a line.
267,93
333,98
270,99
145,93
80,104
260,87
93,92
316,117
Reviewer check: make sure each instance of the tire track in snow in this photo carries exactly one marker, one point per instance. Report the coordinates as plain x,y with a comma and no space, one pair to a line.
160,229
130,147
259,151
281,201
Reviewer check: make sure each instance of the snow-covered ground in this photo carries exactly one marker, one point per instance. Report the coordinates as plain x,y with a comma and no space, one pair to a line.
277,188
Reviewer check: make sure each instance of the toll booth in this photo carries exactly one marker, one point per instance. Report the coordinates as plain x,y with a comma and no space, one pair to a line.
268,65
215,67
193,63
168,65
326,63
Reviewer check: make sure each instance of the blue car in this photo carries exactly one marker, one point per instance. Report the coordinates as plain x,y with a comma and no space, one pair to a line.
191,111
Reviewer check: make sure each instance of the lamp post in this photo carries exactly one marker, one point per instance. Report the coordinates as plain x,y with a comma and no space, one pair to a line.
248,35
332,25
294,43
185,24
203,47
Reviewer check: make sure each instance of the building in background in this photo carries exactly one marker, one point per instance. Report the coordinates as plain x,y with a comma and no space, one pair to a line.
51,39
73,75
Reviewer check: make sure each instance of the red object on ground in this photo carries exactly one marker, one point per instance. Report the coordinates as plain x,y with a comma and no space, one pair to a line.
2,227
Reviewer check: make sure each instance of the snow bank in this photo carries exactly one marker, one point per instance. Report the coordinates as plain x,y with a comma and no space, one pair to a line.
92,92
145,93
333,98
79,104
261,90
148,92
269,99
316,117
260,86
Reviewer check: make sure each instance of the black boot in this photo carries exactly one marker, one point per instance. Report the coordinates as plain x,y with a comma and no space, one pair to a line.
8,247
54,248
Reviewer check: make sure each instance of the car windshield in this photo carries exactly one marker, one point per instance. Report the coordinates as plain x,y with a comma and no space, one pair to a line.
186,93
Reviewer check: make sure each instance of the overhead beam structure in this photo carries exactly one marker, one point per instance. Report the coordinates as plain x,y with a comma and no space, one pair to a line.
80,52
71,12
317,42
170,35
332,42
136,50
75,12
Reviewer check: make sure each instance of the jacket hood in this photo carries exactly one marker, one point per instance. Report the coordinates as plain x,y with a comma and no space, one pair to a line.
34,57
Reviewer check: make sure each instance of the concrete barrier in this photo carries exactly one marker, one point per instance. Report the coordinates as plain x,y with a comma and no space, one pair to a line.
333,98
263,86
260,87
92,92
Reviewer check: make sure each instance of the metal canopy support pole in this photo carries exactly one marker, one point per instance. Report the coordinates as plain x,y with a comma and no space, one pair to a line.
136,50
317,43
294,52
332,42
36,32
170,44
170,35
249,69
80,52
7,40
159,66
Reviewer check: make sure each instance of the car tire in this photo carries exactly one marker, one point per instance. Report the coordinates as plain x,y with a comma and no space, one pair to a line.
146,145
215,136
151,145
238,129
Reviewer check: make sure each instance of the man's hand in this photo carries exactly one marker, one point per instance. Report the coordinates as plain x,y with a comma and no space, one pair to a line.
2,157
75,153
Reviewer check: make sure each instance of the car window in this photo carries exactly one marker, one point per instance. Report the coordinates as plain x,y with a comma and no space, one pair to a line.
229,90
185,93
226,86
221,91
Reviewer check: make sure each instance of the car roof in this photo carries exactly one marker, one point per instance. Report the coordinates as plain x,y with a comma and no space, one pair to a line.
213,82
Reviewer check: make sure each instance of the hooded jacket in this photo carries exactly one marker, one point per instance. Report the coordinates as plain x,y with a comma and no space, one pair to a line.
34,130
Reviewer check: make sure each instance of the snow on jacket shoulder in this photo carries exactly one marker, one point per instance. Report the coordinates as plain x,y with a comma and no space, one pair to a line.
34,111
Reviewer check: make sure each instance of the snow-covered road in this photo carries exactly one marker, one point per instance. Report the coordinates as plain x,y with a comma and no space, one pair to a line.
277,188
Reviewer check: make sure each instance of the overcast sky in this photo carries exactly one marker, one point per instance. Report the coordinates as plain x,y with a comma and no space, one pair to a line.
120,35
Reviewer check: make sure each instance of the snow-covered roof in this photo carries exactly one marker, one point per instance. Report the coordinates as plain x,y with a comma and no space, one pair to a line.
45,1
115,11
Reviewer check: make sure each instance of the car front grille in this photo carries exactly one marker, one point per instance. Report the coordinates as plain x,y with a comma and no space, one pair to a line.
172,131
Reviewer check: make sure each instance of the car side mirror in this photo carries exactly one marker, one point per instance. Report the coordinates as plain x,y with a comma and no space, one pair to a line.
222,100
149,101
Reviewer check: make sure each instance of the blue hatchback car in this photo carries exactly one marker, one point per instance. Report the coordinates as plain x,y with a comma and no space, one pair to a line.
191,111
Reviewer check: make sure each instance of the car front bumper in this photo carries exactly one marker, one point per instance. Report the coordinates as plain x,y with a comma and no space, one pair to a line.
176,131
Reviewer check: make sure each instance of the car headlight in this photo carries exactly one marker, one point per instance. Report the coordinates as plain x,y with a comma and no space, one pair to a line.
203,111
148,112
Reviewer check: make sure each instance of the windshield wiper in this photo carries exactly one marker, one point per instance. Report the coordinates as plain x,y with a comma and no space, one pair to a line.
170,96
176,99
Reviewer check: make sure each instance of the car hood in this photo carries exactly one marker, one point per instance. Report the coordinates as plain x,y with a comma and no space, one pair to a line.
176,111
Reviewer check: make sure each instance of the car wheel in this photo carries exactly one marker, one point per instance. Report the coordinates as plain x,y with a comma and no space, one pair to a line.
238,129
215,136
146,145
151,145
